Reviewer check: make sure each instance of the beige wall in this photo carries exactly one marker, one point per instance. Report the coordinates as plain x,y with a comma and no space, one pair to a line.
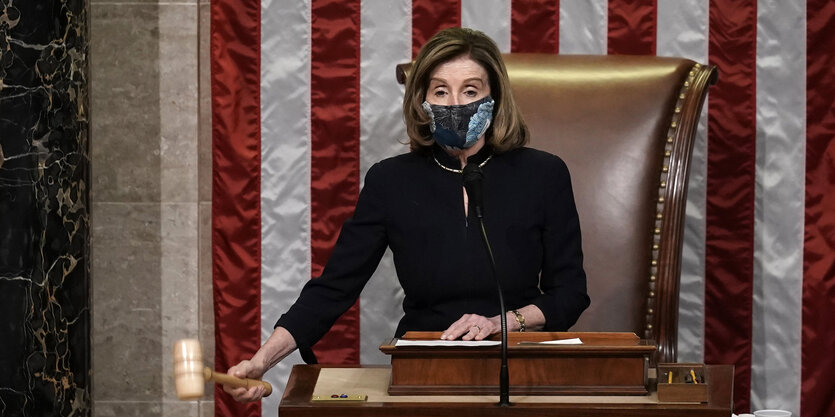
150,201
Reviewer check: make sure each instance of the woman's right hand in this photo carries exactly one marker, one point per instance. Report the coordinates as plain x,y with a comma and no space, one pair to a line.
246,369
280,344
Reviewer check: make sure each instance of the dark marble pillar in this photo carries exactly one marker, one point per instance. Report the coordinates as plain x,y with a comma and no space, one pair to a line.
44,222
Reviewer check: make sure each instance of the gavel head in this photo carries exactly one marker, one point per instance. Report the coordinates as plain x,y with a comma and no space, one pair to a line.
188,369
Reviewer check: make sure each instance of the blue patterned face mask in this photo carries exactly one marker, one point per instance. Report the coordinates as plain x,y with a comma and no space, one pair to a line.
459,126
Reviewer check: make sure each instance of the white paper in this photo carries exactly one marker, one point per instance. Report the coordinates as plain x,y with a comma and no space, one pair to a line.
446,343
574,341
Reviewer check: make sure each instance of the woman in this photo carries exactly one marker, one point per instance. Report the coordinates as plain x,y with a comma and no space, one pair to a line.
458,111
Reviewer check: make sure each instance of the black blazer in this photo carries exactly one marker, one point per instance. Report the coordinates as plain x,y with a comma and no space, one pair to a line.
414,206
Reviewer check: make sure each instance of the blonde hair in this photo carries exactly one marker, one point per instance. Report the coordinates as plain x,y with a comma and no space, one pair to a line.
507,131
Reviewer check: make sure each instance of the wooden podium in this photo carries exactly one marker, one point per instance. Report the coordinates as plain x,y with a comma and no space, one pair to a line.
604,364
372,381
606,375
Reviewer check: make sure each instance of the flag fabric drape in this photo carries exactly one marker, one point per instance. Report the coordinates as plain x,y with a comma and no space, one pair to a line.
729,211
304,100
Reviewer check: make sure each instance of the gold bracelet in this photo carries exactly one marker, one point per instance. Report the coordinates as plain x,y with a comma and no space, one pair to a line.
519,319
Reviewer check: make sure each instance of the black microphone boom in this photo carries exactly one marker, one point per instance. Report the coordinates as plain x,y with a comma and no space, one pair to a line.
473,183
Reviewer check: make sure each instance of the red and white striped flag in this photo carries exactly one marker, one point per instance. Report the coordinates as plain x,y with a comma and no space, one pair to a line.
304,100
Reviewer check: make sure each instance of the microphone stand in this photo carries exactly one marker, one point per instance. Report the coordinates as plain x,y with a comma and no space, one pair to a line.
504,380
472,182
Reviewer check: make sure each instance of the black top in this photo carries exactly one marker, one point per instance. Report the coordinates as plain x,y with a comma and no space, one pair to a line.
412,205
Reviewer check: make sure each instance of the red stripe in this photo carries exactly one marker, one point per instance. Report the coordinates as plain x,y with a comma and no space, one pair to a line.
535,26
632,27
817,396
430,16
729,241
335,134
236,188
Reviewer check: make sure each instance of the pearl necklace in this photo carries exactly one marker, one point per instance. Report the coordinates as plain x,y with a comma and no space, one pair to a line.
457,171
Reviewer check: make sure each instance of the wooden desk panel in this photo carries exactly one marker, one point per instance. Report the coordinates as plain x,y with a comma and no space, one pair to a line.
303,380
605,363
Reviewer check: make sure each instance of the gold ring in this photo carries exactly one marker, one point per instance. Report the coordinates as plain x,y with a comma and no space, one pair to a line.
477,327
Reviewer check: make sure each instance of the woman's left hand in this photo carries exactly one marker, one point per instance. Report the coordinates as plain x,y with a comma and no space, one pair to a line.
472,327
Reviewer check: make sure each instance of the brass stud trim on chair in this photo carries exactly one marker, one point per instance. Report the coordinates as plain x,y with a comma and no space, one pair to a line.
662,188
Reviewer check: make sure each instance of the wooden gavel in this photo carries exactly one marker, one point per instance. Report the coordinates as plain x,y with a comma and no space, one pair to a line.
190,375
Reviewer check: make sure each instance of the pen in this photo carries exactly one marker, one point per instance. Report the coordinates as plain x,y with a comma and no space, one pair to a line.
670,377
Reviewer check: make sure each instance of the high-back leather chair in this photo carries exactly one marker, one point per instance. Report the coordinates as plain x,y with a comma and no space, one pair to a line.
625,126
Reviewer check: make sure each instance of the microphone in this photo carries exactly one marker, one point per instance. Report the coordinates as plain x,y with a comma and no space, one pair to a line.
473,183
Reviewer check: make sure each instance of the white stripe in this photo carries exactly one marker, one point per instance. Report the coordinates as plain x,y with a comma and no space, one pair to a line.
386,40
489,16
285,168
683,31
583,26
779,205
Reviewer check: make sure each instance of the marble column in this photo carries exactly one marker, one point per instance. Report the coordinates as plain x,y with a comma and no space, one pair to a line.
44,222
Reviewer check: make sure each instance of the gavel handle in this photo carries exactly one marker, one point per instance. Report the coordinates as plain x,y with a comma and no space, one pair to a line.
227,379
